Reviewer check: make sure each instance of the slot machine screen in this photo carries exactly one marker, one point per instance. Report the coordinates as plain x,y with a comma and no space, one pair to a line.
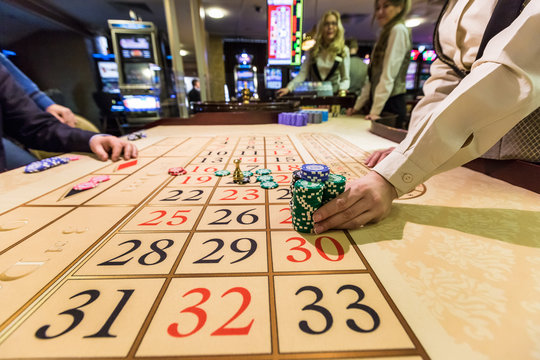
135,47
140,103
411,76
273,78
284,32
429,55
138,74
250,85
108,72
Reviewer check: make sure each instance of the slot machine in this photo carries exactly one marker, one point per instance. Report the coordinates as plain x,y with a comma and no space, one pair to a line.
411,79
428,57
139,68
245,75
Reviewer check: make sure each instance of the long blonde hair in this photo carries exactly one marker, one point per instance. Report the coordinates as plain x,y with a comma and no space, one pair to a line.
338,44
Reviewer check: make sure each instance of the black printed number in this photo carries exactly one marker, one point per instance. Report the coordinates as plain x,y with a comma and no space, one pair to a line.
177,193
158,248
286,195
243,218
78,315
304,326
235,246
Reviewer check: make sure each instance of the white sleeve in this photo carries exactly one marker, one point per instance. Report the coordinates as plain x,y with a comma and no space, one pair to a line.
502,88
399,44
441,82
344,70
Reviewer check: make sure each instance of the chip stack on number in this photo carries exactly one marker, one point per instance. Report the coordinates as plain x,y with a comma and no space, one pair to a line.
306,199
315,172
312,187
296,175
333,186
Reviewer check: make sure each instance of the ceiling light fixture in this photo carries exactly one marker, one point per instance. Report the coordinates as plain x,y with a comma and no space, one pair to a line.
410,23
183,52
215,13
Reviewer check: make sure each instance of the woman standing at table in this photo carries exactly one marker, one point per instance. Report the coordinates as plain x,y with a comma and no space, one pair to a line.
385,89
329,58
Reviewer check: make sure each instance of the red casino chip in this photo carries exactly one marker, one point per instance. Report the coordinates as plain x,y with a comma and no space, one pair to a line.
100,178
175,171
85,185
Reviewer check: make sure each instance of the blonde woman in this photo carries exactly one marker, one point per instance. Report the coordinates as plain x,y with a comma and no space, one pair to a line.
385,90
328,60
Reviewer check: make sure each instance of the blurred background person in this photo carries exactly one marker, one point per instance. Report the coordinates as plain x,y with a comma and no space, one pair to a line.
384,91
358,68
328,59
194,94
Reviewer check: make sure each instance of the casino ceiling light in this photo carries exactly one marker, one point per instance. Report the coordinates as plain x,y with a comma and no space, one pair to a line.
414,22
215,13
183,52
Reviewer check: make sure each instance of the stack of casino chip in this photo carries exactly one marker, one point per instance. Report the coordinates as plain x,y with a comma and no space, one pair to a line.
333,186
295,177
306,199
312,187
315,172
45,164
294,119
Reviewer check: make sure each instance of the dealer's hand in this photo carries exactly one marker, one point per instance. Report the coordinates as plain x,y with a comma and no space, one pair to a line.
372,117
352,111
282,92
365,200
377,156
63,114
102,146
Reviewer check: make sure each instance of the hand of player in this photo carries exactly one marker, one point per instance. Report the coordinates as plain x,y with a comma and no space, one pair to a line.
63,114
365,200
351,111
377,156
372,117
282,92
103,145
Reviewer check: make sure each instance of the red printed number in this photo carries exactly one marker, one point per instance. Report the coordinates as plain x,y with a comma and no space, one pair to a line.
318,245
287,220
201,314
177,215
251,194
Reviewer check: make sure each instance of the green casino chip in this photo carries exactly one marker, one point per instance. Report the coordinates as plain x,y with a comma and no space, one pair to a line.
269,185
222,172
263,171
264,178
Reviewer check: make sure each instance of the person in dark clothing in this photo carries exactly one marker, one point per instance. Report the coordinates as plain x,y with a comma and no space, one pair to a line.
194,94
23,120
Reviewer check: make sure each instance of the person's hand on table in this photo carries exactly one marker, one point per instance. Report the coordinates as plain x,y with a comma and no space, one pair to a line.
103,145
351,111
372,117
365,200
377,156
282,92
63,114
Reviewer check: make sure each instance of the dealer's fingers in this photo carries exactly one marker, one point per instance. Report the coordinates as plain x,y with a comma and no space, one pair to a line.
350,216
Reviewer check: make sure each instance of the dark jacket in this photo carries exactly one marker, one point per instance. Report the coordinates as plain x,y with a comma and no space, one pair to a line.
23,120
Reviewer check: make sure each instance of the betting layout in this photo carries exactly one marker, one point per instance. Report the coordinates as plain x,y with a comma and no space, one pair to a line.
148,265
